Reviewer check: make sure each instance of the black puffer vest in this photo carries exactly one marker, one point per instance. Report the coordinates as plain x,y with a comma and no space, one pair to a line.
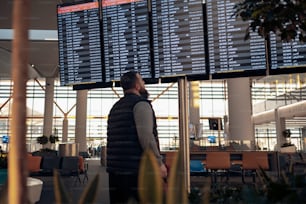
123,148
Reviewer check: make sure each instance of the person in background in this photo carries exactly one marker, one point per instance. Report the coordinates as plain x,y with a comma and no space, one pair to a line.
130,131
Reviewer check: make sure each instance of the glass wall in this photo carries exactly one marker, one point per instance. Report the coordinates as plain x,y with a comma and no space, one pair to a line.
213,103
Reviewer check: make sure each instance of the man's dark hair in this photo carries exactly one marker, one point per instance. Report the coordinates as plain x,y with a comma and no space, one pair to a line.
128,80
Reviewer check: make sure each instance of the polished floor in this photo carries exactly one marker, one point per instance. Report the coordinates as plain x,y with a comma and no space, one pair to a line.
75,189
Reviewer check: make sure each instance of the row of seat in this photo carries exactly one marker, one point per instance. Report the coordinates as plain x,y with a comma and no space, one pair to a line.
66,165
293,162
219,161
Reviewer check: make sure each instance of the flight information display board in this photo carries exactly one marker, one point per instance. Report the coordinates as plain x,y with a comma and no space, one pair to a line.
287,57
126,38
79,42
178,37
229,53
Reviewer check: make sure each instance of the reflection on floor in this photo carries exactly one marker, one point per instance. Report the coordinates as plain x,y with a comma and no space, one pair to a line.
75,189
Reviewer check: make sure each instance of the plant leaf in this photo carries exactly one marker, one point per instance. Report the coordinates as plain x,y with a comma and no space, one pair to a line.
176,192
4,193
149,179
61,195
90,192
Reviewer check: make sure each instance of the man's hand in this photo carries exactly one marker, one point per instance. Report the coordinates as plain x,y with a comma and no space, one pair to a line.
163,171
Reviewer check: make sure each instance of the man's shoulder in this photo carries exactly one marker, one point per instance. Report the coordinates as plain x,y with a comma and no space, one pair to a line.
143,104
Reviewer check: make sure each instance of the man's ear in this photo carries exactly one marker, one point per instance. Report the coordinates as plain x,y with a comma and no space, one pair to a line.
137,86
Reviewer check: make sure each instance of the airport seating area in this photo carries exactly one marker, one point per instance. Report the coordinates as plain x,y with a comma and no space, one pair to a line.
233,164
69,166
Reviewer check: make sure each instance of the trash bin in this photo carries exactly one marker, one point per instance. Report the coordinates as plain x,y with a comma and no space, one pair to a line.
68,149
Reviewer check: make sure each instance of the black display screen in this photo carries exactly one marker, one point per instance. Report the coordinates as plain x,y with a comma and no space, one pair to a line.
126,38
79,42
178,38
287,57
229,53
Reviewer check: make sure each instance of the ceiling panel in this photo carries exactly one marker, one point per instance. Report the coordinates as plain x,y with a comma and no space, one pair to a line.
42,14
42,54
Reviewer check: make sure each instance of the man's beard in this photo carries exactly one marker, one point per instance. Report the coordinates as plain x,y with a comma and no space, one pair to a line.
144,93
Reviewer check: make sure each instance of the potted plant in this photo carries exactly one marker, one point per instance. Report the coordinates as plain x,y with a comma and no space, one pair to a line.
43,139
287,146
53,139
3,167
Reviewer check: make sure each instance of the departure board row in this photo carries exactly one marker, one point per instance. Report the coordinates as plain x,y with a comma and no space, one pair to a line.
178,37
99,40
286,54
79,43
126,38
228,51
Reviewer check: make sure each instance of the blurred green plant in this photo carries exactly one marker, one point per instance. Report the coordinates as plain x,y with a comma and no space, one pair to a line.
151,186
289,188
62,196
150,181
176,192
285,18
4,193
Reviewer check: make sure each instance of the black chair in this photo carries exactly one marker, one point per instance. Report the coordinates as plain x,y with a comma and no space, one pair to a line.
49,163
70,167
298,163
85,155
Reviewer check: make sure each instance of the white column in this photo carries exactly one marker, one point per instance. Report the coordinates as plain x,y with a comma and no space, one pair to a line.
194,112
65,130
280,126
240,110
81,119
304,139
48,112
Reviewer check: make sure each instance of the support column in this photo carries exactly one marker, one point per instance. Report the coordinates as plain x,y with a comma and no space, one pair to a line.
81,120
280,126
48,112
65,130
304,139
240,111
194,117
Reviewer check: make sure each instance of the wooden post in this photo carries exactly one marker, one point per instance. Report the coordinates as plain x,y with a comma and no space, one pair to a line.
17,153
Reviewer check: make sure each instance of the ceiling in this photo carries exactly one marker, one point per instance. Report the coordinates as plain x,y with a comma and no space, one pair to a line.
43,54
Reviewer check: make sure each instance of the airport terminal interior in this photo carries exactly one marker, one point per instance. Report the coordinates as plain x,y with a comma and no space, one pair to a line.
231,109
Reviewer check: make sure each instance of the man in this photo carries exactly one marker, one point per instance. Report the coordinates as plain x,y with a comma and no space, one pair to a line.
130,131
146,95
